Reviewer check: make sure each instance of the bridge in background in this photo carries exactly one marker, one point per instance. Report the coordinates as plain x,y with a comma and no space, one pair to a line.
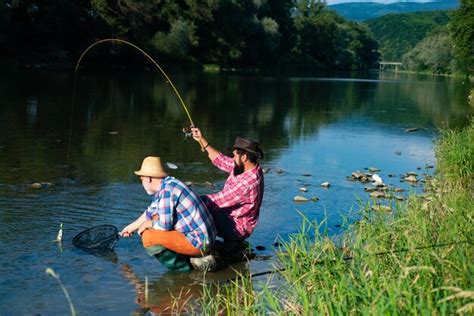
389,65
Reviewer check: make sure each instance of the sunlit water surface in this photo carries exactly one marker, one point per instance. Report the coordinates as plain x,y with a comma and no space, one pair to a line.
84,154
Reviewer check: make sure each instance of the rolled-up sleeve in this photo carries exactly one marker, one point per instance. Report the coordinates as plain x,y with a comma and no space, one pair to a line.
224,163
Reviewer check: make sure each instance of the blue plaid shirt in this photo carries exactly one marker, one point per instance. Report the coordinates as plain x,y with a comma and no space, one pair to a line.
178,208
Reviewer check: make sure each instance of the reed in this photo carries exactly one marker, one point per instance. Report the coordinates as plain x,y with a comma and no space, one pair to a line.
382,264
66,293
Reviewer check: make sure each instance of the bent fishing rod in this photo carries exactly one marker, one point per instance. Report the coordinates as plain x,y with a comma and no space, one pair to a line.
186,131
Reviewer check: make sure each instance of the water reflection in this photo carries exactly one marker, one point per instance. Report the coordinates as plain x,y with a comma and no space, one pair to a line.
173,292
319,126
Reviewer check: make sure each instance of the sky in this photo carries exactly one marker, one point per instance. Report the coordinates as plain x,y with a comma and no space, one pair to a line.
329,2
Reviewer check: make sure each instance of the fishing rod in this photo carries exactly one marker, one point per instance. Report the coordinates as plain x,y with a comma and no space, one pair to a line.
187,131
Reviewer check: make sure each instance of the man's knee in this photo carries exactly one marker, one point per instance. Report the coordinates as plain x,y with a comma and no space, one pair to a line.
147,239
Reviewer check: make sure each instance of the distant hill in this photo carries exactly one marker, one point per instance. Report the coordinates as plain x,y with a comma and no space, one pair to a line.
361,11
397,34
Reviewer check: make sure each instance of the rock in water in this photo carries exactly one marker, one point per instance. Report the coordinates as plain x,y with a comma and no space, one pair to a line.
303,189
300,198
412,129
36,185
325,184
377,195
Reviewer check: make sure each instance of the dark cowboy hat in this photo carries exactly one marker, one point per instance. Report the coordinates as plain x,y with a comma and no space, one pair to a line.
247,144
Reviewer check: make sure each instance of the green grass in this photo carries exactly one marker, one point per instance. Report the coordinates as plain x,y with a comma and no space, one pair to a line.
318,278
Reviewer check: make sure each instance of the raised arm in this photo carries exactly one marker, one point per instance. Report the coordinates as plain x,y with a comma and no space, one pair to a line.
212,153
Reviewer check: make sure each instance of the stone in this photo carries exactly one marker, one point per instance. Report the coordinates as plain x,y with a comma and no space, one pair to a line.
381,208
113,132
398,153
188,183
208,183
411,179
303,189
429,166
306,175
378,195
374,169
391,175
325,184
399,197
315,199
266,170
205,263
260,248
357,175
412,129
399,190
36,185
279,171
369,189
412,173
300,198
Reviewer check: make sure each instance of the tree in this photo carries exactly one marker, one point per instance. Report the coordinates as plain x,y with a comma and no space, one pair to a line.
462,32
433,54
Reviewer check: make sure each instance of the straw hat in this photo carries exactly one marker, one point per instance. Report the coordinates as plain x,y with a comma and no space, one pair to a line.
248,144
152,167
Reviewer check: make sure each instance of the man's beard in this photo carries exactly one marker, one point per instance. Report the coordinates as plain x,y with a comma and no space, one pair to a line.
238,169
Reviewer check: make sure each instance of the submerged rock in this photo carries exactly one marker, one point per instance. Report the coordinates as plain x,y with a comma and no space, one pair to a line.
412,173
378,195
266,170
325,185
36,185
306,174
279,171
374,169
315,199
412,129
399,197
398,153
303,189
369,189
411,179
300,198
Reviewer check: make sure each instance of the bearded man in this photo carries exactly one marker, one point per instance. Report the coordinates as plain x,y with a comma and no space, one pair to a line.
236,208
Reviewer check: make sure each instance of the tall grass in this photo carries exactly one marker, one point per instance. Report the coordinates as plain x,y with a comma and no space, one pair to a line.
353,277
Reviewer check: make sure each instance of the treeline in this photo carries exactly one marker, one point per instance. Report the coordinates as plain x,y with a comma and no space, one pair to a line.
440,42
281,34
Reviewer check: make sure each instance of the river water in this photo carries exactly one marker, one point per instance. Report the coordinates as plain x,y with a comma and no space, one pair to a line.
83,155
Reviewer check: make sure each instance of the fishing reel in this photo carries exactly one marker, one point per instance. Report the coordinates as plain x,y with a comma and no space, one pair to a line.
187,133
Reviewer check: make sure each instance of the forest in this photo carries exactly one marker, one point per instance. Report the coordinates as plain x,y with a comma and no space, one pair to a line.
286,35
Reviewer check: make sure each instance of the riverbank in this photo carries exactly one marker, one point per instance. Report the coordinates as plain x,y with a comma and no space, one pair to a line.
416,260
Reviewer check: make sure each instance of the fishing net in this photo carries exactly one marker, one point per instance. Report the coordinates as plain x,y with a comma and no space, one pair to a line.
103,237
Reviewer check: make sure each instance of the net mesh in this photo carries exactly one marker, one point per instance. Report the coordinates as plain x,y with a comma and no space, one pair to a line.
103,237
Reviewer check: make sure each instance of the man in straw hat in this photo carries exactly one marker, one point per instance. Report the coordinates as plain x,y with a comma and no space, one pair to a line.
177,224
236,208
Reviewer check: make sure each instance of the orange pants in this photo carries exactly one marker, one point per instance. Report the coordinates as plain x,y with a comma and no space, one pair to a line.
170,239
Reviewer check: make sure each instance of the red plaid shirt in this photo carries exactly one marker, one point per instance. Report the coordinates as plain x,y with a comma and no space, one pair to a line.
241,197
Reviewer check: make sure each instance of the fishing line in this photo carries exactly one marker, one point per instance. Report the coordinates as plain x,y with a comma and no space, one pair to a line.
350,258
168,80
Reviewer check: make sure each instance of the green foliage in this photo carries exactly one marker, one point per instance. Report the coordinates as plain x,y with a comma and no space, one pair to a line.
397,34
462,29
230,33
385,263
455,152
179,39
434,54
333,42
